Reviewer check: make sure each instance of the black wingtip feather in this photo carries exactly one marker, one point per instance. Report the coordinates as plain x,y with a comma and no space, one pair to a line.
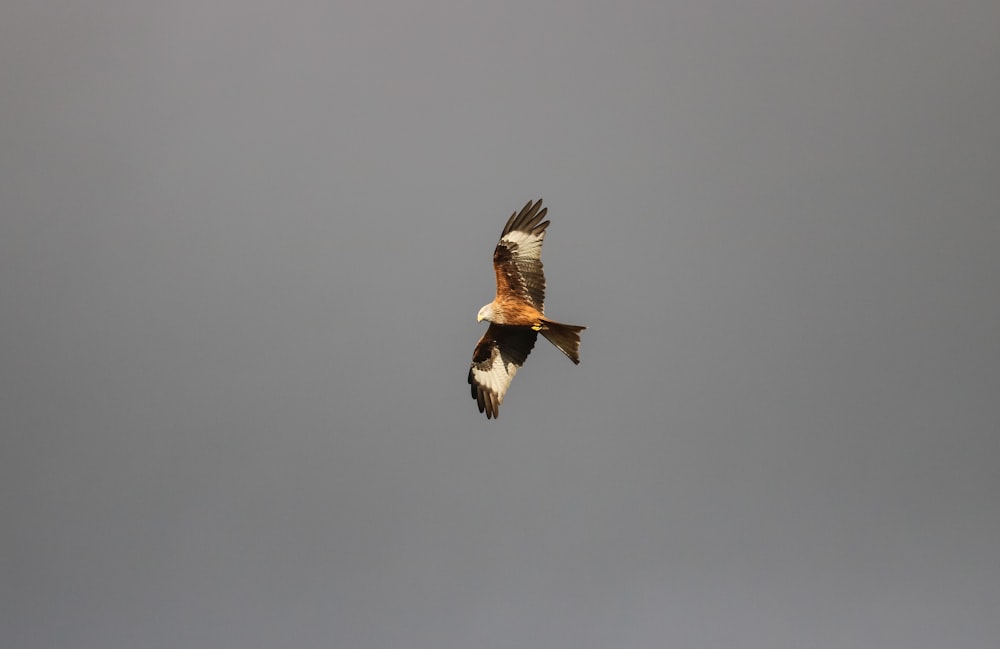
527,219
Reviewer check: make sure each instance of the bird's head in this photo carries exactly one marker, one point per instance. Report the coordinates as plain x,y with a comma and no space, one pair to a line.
485,313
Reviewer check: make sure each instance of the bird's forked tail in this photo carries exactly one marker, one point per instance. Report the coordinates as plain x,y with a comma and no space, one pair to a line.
564,336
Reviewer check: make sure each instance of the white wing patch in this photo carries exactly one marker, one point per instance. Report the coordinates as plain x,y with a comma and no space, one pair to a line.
528,245
497,378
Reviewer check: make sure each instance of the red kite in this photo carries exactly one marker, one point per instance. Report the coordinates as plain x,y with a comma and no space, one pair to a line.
517,314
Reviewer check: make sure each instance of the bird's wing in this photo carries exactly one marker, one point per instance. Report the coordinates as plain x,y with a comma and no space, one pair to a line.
498,354
518,256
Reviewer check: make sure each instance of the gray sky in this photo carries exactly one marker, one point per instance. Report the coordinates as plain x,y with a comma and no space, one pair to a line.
243,246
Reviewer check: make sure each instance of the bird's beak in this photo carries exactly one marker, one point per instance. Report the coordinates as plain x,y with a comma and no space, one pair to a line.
479,318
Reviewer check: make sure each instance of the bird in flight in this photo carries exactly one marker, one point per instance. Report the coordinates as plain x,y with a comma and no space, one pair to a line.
517,313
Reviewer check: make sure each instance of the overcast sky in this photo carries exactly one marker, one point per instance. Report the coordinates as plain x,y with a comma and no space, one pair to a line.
242,249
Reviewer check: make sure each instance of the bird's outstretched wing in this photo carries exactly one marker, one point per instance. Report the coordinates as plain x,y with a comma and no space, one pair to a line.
498,354
518,256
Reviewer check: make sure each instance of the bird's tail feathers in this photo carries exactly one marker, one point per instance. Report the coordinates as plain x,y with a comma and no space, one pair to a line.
564,336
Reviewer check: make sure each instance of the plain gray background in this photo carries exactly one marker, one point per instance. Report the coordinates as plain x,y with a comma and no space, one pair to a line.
242,249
